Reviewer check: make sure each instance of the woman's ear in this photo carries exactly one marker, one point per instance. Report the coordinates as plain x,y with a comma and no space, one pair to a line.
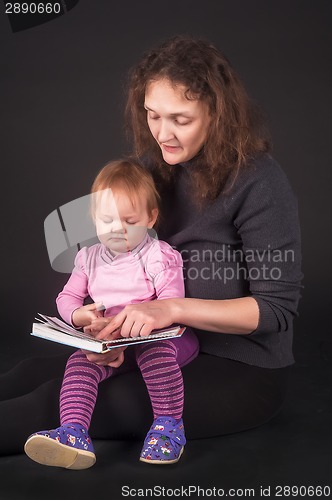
153,218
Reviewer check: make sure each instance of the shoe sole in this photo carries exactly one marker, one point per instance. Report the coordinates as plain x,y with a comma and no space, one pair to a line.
47,451
162,462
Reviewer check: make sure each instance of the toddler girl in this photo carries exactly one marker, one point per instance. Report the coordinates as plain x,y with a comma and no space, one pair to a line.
127,266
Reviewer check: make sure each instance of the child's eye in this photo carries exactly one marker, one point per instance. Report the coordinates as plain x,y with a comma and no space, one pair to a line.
131,222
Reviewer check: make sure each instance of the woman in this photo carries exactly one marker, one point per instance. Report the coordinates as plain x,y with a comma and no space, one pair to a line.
229,209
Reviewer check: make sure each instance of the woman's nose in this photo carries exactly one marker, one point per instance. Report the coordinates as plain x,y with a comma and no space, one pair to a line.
165,132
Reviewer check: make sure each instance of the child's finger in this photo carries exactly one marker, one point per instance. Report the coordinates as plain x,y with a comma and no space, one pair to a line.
95,306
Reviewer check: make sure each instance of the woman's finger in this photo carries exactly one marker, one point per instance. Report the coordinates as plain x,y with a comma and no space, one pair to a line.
112,327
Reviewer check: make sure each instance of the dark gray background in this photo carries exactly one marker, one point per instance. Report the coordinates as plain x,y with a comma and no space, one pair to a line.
62,95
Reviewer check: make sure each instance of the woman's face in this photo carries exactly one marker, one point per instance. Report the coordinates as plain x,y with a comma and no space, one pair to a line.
179,125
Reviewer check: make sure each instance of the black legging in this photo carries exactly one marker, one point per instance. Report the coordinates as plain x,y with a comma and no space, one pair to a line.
222,396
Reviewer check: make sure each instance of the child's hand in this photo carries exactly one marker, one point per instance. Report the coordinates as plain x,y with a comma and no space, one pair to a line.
84,315
113,358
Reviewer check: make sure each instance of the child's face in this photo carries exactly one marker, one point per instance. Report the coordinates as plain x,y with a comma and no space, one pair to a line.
120,225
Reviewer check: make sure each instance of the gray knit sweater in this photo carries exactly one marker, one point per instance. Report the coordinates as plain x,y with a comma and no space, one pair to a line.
245,243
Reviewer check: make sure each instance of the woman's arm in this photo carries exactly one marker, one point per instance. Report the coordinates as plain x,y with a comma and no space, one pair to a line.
238,316
235,316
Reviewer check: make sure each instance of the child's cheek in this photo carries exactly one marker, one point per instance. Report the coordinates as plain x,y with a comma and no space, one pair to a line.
135,235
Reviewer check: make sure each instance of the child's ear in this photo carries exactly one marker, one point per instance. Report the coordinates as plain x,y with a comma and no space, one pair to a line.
153,218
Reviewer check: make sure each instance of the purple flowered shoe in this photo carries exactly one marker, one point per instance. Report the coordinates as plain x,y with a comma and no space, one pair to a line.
68,446
164,442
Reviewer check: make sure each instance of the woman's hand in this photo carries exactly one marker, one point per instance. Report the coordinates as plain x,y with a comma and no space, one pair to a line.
140,319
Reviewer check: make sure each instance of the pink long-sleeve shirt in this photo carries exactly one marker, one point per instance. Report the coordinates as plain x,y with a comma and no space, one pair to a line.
152,270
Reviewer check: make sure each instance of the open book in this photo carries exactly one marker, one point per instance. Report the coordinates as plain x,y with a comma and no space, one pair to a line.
54,329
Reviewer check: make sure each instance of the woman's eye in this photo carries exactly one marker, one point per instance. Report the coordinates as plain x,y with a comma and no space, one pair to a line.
179,122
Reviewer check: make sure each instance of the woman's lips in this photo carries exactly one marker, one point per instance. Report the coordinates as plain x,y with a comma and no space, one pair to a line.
170,149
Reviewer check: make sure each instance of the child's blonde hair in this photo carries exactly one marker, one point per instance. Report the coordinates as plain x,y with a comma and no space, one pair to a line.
129,176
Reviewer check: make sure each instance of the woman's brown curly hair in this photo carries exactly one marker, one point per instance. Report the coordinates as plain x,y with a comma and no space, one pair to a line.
237,130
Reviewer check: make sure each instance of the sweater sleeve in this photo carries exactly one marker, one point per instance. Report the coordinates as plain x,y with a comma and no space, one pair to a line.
165,269
75,290
268,225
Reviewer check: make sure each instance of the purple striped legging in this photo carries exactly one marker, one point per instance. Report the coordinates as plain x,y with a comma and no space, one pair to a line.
159,363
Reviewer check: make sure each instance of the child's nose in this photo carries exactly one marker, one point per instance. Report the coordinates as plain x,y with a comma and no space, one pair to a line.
117,227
